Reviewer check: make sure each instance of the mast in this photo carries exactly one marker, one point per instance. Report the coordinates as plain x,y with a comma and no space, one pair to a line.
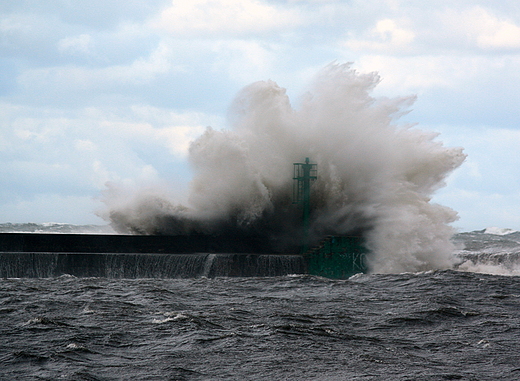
304,174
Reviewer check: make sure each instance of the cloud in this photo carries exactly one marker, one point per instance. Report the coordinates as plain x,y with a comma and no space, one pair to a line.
28,35
460,88
175,138
483,29
244,61
454,28
112,90
85,145
79,151
417,73
81,44
386,36
21,25
72,80
224,17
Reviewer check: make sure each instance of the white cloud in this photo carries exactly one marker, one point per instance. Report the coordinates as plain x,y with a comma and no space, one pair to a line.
20,24
459,74
453,29
417,73
81,44
73,78
235,17
95,145
85,145
244,61
482,28
175,138
386,36
140,64
178,138
38,130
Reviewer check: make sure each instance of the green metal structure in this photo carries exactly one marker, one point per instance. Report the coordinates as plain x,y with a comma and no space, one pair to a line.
304,174
337,257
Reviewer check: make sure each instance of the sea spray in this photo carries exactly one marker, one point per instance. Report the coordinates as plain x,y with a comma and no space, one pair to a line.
375,177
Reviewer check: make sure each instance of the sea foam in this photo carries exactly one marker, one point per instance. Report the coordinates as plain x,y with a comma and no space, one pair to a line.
375,177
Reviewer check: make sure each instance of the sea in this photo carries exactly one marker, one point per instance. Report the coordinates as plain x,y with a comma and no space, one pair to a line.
456,324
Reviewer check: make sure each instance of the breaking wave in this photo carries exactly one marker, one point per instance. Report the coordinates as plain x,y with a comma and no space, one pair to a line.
375,177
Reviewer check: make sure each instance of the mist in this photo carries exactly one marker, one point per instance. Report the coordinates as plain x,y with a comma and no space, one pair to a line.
376,177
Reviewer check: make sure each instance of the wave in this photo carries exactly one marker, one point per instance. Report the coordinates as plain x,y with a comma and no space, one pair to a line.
55,227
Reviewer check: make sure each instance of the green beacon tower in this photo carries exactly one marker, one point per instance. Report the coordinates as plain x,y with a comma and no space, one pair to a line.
304,174
337,257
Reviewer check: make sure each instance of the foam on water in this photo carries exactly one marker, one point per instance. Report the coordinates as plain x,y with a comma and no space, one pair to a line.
54,227
499,231
375,177
489,251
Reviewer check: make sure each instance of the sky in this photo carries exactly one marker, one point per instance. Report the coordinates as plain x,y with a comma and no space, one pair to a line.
114,91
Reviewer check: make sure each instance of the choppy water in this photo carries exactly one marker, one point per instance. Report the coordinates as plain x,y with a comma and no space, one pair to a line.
54,227
441,325
429,326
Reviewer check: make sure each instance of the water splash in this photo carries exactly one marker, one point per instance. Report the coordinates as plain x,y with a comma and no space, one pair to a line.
374,176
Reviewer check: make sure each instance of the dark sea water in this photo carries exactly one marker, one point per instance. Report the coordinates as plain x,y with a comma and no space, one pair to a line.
439,325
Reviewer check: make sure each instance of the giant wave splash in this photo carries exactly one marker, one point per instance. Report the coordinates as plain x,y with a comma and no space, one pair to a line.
376,177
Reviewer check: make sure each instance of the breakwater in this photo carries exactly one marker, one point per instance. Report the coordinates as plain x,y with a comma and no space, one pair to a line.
105,243
129,256
26,255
